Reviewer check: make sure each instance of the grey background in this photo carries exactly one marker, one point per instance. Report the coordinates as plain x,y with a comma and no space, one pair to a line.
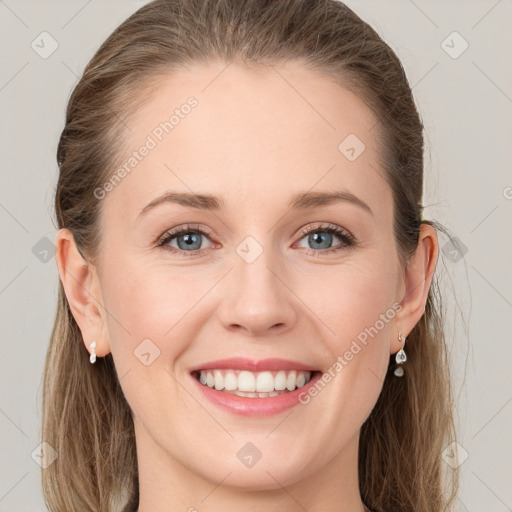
466,105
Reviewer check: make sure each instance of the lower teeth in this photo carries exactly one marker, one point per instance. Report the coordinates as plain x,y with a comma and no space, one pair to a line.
248,394
256,395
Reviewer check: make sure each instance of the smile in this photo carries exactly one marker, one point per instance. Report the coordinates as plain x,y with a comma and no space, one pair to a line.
250,384
254,388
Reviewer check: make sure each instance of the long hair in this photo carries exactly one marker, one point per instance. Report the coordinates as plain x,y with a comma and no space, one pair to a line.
86,418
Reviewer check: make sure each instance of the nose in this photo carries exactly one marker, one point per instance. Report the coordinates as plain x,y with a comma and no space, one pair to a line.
258,300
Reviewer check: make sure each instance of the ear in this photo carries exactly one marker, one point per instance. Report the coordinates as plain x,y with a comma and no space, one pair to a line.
83,291
417,279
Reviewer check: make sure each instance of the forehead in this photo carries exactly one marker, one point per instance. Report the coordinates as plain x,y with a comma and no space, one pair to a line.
249,135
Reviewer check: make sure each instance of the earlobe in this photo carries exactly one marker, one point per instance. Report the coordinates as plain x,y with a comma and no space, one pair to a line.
417,280
80,282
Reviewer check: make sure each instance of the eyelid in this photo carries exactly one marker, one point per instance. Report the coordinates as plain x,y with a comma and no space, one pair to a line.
186,228
347,238
328,227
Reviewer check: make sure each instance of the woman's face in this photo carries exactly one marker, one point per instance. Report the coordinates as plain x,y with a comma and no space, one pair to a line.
253,287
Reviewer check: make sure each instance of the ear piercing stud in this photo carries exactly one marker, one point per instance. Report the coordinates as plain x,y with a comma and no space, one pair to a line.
92,358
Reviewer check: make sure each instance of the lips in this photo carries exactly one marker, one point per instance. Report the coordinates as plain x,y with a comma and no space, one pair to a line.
241,363
254,388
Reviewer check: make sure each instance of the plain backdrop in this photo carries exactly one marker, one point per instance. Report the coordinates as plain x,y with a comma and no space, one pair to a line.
457,55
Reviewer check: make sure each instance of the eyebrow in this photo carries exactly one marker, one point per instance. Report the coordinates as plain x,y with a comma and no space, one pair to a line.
303,200
315,199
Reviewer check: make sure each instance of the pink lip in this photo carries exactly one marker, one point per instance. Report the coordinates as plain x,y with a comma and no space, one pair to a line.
246,406
241,363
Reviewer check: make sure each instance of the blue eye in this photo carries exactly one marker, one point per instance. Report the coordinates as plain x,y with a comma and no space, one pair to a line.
189,240
321,237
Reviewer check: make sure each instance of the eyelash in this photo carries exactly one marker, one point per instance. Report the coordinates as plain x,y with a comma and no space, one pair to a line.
348,240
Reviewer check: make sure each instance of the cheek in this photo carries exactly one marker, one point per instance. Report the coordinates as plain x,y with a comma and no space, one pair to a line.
149,328
148,303
356,297
357,306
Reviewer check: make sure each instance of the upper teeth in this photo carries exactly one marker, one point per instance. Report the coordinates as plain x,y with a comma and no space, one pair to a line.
261,382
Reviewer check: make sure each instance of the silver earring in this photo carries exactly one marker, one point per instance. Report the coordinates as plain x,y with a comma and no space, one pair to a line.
400,357
92,359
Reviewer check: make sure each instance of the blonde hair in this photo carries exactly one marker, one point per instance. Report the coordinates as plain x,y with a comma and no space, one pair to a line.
86,417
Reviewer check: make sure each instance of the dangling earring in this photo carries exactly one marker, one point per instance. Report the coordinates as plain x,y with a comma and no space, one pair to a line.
92,359
400,357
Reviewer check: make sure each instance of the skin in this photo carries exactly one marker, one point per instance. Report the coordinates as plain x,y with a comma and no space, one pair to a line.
255,142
